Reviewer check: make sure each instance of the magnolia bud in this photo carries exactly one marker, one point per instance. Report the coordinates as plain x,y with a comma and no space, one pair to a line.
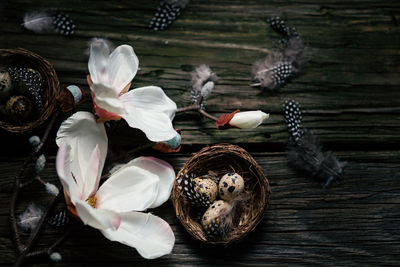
248,119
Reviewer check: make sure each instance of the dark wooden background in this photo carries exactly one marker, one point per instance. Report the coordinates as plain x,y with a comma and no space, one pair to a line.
349,91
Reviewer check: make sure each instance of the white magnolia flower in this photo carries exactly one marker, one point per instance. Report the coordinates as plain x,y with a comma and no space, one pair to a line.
116,207
242,120
147,108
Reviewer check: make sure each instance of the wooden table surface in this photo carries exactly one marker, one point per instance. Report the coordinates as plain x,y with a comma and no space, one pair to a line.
349,89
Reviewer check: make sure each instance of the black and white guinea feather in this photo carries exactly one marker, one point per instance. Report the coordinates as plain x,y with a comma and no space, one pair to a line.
167,12
30,79
277,69
273,72
293,118
187,186
202,83
63,24
29,219
304,151
59,219
42,21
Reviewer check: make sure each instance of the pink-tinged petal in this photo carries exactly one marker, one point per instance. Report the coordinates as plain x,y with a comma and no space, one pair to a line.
103,114
97,218
83,134
129,188
151,99
165,173
151,111
99,61
106,98
123,65
150,235
65,174
248,119
92,176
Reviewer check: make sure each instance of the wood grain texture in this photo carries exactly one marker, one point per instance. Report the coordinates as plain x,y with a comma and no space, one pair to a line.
354,222
349,90
350,81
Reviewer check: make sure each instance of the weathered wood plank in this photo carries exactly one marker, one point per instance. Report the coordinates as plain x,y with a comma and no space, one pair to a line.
353,223
352,51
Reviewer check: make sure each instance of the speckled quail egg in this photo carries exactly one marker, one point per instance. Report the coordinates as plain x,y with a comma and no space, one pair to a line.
230,186
214,218
19,107
6,85
206,188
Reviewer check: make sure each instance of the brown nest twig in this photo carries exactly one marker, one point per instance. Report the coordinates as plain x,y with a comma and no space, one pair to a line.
51,85
220,159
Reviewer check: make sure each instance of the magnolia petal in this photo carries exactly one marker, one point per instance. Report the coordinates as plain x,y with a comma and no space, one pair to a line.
163,170
122,67
248,119
151,99
106,98
92,177
150,110
129,188
98,218
98,61
156,126
150,235
64,173
83,134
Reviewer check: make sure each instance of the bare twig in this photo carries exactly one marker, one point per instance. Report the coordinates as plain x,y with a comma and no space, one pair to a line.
51,248
23,249
194,107
208,115
34,235
197,107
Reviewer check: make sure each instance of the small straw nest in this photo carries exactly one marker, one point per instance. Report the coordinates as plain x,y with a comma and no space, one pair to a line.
221,159
51,85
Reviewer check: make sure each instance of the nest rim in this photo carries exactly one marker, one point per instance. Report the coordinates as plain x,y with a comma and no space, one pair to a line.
51,86
257,181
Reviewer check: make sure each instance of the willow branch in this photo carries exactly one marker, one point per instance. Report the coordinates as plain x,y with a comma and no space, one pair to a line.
17,184
194,107
34,235
51,248
208,115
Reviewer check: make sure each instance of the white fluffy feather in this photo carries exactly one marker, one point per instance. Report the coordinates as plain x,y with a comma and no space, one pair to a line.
29,219
38,22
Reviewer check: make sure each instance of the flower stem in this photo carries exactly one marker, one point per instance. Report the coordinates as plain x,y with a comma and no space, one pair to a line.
208,115
188,108
197,107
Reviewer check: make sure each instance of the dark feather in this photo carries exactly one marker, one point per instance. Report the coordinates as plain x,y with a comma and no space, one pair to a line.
277,69
304,151
40,22
167,12
186,185
293,51
293,118
59,219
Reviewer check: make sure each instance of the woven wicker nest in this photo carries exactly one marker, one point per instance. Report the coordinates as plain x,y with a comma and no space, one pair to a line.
51,85
220,159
